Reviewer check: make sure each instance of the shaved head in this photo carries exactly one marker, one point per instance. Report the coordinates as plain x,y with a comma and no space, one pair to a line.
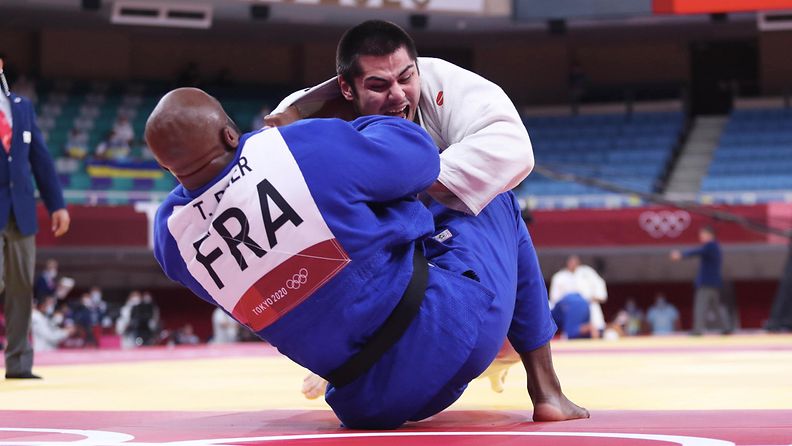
191,135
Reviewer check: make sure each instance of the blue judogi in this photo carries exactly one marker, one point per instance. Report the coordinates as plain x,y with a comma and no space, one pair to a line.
570,313
363,177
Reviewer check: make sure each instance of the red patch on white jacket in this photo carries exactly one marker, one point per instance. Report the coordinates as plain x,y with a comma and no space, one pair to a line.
439,99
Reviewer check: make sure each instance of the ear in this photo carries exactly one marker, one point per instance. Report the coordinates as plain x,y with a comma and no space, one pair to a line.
346,89
230,137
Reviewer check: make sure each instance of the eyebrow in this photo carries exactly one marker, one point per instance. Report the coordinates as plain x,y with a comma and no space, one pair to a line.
377,78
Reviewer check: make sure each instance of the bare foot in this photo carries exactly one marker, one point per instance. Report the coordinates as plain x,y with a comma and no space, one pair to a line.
313,386
548,400
558,409
497,380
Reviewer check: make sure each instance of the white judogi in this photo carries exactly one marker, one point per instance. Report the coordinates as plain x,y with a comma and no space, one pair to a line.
225,330
46,335
485,146
586,282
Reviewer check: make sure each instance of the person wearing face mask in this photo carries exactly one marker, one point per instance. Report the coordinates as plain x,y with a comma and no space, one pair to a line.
47,335
47,282
123,324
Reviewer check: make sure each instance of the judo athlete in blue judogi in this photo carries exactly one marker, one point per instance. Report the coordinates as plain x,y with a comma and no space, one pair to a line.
311,235
572,313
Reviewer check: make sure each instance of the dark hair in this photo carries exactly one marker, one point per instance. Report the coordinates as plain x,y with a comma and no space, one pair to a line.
708,229
370,38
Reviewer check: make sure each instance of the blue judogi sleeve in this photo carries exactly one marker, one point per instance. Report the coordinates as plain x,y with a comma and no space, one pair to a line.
409,159
385,159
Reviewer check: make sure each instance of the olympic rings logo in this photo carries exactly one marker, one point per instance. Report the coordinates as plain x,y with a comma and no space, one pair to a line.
664,223
298,279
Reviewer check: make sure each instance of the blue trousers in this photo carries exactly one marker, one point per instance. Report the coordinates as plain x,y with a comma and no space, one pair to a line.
484,284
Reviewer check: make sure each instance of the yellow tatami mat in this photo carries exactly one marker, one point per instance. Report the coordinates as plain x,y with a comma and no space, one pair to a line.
675,373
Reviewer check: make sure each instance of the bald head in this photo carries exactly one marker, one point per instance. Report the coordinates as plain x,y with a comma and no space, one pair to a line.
191,135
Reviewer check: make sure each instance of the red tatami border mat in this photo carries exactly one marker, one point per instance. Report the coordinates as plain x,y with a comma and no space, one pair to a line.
506,428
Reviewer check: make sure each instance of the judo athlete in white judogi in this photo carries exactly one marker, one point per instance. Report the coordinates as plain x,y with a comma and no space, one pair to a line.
572,289
485,151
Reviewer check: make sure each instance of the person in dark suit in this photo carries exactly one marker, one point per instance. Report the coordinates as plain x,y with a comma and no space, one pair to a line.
23,158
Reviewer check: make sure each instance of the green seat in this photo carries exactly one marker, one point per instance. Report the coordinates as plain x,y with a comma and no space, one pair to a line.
80,181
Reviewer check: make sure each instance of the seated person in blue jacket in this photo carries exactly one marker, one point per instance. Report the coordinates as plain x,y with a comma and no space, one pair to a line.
311,235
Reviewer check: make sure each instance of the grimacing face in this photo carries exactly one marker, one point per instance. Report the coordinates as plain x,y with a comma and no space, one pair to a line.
389,85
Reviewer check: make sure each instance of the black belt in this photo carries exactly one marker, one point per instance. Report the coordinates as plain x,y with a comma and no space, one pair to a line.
391,330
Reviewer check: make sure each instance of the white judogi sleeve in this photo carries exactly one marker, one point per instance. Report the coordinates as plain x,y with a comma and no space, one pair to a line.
594,291
485,146
561,284
311,97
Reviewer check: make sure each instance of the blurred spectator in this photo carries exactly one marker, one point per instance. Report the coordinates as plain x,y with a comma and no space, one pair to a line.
582,280
663,317
628,322
144,321
124,321
47,335
709,282
88,318
60,314
77,144
50,283
96,299
123,130
113,148
47,280
186,336
258,120
145,152
632,318
64,287
225,329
